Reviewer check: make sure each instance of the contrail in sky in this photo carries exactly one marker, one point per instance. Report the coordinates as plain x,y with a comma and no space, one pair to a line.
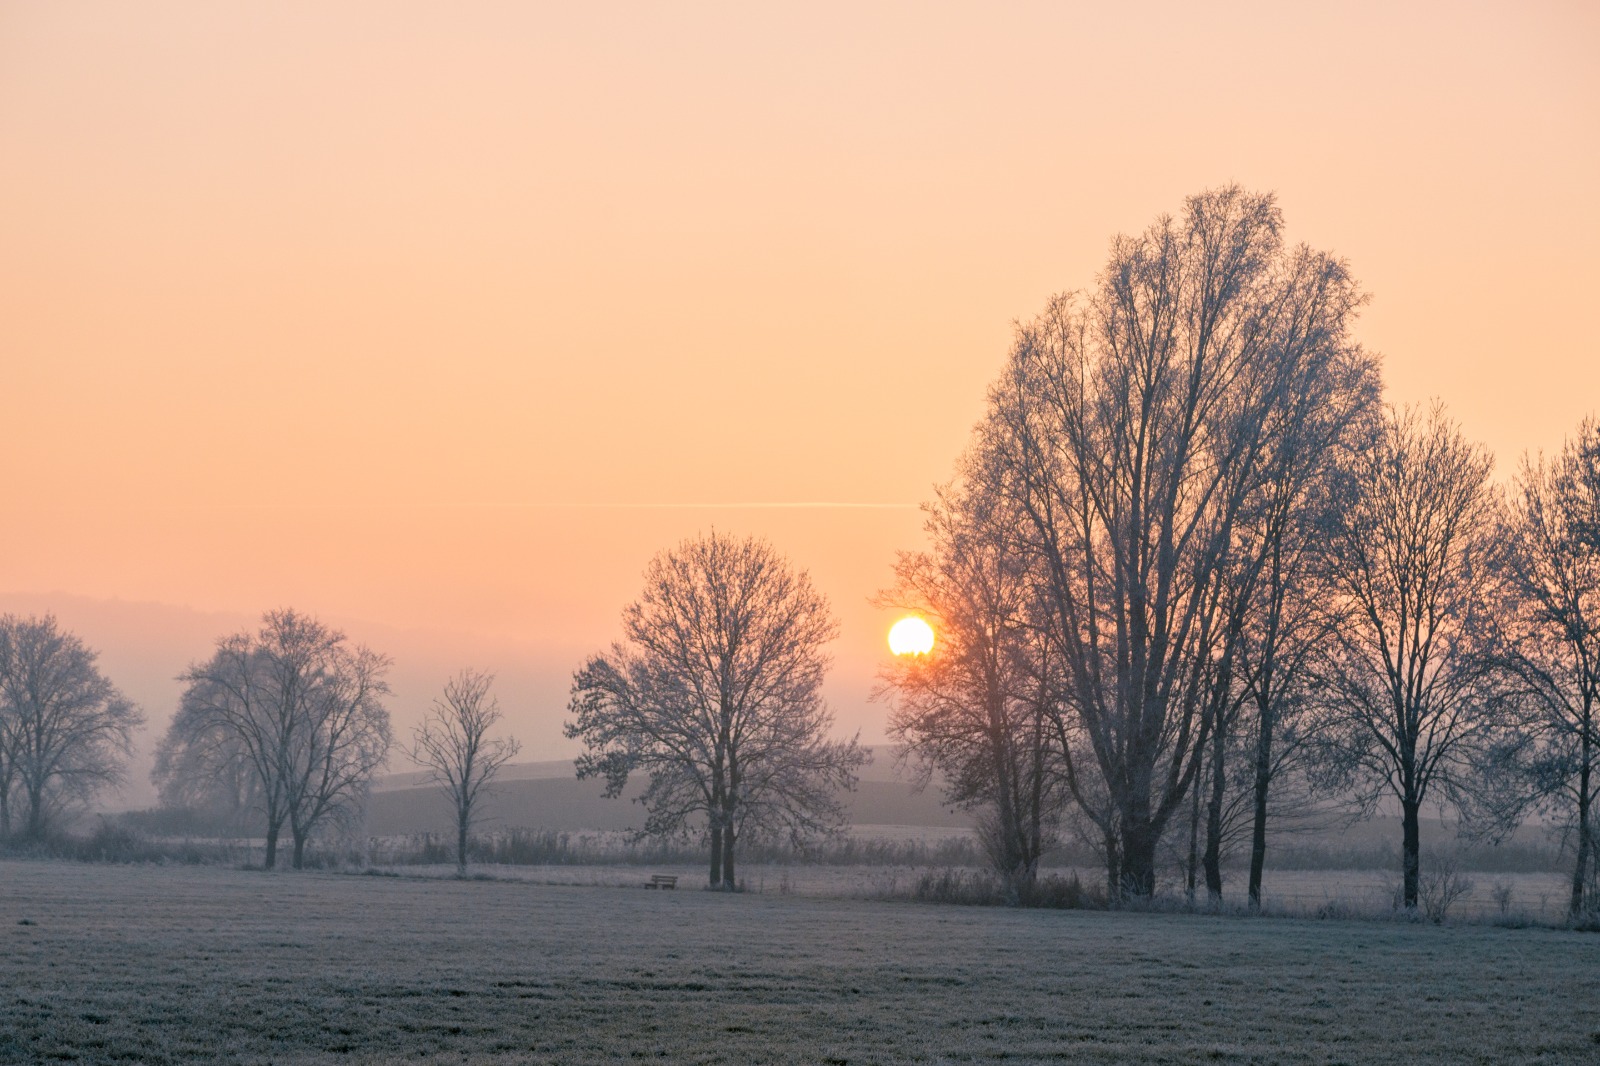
749,505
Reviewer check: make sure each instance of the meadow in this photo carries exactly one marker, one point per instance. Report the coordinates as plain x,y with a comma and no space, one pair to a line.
164,964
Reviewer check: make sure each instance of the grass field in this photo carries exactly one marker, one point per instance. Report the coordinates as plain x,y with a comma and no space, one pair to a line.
165,964
1532,897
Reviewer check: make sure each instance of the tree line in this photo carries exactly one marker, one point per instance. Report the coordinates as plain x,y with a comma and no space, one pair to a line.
1193,569
282,729
715,699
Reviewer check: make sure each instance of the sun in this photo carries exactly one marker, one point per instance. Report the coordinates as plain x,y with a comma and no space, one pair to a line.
911,636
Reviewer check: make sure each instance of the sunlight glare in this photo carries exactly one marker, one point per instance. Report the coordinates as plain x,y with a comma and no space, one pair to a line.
911,636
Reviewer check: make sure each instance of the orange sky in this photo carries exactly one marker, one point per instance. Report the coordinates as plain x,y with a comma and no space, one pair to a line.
430,318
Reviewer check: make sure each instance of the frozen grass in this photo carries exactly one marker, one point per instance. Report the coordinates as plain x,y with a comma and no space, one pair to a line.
1535,896
163,965
1528,898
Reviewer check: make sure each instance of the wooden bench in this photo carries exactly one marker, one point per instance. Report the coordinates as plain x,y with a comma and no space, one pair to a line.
662,881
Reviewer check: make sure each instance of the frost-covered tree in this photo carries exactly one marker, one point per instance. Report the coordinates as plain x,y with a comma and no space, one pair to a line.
1133,430
65,730
978,708
302,707
453,743
1414,689
1554,528
715,694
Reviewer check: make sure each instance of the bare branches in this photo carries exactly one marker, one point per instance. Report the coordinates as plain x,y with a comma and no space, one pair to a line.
1553,527
453,743
1134,433
65,731
716,696
301,708
977,707
1412,563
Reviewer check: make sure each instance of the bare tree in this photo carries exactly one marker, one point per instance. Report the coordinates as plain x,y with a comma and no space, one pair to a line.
306,709
1413,687
976,709
1554,527
1132,430
203,767
1280,651
67,731
716,695
453,743
1286,622
8,770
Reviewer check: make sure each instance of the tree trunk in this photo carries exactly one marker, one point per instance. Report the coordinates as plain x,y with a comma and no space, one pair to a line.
271,859
1413,851
1035,813
1139,860
1113,867
1008,814
35,812
299,847
716,853
461,844
718,802
1258,832
728,882
1219,784
1580,874
1194,847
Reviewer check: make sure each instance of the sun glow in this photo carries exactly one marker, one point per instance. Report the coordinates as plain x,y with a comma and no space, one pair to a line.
911,636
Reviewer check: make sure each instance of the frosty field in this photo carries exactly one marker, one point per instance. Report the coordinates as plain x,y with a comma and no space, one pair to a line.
169,964
1540,897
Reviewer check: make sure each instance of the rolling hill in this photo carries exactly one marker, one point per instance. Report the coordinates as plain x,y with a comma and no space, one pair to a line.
548,795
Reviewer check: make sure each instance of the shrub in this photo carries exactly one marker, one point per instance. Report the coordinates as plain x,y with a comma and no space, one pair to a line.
1502,896
1063,893
982,888
1440,885
968,887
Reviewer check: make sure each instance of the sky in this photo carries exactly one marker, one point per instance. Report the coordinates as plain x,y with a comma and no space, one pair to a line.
437,321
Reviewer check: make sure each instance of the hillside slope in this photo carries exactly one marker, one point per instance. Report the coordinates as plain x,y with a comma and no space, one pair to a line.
547,795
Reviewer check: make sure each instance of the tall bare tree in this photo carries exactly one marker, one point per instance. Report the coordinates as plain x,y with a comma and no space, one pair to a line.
65,729
305,707
1284,621
453,743
716,695
1413,565
8,771
1554,527
977,708
1132,429
1280,651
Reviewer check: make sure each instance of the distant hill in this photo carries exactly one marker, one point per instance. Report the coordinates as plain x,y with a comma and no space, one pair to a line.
548,795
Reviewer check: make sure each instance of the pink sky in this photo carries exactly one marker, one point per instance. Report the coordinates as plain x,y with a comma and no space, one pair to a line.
436,319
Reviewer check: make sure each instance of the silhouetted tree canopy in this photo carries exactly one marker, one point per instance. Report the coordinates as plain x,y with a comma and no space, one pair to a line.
65,730
1136,430
715,694
301,707
453,743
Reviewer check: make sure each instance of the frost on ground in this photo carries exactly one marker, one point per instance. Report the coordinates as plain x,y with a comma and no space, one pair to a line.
161,964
